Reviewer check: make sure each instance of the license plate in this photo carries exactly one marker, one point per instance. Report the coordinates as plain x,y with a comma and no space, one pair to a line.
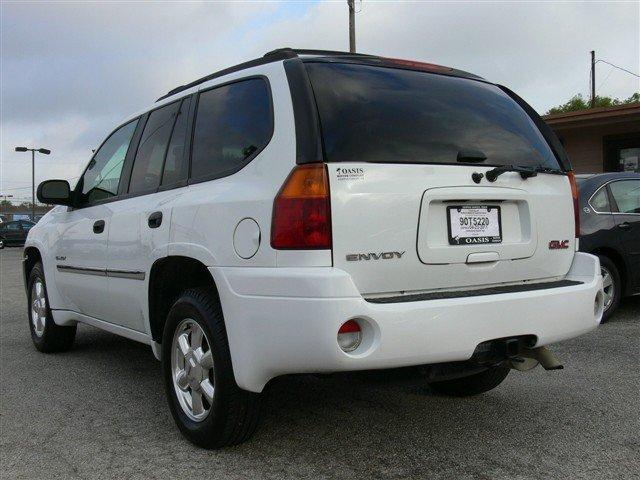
474,224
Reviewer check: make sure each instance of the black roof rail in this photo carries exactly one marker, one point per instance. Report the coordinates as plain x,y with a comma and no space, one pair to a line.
280,54
287,52
326,53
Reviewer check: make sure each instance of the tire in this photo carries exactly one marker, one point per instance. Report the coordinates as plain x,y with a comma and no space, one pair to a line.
232,414
612,285
473,384
47,337
1,243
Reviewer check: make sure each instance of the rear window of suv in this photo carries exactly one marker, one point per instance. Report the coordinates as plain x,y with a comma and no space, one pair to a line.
390,115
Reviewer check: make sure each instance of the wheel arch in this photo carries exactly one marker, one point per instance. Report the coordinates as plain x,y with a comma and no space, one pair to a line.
31,256
618,259
168,278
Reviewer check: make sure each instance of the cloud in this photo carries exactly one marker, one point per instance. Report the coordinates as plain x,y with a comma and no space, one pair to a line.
72,71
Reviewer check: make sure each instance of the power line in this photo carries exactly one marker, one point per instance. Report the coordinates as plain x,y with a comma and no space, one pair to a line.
619,68
605,79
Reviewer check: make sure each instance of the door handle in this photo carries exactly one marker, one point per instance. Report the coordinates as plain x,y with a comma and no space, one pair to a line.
98,226
624,226
155,220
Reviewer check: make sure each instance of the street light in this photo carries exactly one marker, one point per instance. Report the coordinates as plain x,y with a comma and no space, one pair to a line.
33,151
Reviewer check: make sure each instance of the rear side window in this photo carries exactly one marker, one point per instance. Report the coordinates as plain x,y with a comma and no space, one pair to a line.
233,124
389,115
176,165
600,201
626,193
147,167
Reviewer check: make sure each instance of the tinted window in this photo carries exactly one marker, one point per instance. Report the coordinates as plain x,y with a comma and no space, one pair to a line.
147,167
233,124
627,195
102,177
176,165
388,115
600,201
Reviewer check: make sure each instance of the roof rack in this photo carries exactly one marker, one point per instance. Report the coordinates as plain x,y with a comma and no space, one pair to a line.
280,54
287,52
325,53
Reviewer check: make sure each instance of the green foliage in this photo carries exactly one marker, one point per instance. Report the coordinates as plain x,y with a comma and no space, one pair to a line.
578,102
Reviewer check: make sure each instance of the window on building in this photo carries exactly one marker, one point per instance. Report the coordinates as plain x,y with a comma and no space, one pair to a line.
629,159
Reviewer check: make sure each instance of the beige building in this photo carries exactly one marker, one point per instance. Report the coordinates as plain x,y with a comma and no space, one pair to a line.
600,139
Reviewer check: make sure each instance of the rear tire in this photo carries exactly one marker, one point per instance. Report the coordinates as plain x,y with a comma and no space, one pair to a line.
473,384
612,286
203,376
47,337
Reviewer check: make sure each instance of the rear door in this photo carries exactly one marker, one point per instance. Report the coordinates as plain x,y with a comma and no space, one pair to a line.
626,194
408,154
140,223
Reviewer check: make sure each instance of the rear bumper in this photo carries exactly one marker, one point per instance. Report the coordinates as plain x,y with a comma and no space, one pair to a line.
285,320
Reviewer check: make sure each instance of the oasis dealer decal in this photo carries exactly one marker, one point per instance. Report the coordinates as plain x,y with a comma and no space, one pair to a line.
355,173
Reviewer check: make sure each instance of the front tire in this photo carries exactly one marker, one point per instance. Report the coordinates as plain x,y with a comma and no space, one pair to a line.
612,286
473,384
205,401
47,337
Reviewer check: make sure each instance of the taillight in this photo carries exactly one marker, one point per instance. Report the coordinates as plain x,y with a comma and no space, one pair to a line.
302,210
576,203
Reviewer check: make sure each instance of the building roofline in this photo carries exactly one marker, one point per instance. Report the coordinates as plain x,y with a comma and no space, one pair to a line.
600,113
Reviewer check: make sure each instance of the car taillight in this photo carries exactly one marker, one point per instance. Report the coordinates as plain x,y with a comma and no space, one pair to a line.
576,203
302,210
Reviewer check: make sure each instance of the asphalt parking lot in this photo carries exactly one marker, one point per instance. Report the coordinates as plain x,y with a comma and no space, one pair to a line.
99,411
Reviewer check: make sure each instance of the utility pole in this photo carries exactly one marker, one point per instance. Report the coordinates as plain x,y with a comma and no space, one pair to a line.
352,26
593,78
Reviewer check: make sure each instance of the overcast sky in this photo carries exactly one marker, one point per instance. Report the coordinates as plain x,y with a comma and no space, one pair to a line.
72,70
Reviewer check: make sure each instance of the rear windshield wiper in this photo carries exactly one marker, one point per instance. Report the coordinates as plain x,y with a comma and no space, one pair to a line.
525,172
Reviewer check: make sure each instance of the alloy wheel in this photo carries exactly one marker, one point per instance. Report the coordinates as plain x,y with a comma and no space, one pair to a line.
192,369
609,287
38,307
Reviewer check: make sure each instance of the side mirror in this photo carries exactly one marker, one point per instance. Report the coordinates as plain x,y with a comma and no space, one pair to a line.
55,192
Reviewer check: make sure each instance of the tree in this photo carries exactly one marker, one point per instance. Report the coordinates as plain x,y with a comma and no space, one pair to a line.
577,102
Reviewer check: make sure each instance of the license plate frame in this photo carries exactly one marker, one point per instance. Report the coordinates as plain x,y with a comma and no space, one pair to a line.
479,239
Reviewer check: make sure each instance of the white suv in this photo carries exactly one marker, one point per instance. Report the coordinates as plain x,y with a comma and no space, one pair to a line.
317,211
